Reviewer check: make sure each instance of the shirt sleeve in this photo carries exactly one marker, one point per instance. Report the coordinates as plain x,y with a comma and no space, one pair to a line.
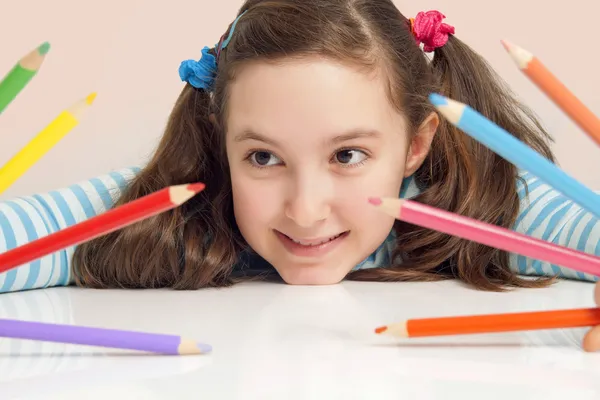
547,214
25,219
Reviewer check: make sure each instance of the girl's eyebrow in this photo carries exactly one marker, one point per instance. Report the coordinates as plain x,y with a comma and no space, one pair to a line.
248,134
346,136
356,134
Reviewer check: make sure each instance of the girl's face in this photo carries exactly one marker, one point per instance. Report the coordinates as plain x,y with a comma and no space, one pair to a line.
308,142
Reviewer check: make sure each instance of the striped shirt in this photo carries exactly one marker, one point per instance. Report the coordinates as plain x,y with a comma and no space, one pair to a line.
544,213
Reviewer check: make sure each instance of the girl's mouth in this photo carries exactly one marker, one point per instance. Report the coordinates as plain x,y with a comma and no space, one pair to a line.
311,247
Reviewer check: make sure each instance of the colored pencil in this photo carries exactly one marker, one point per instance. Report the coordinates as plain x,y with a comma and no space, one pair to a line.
487,234
43,142
510,148
20,75
533,68
109,221
102,337
491,323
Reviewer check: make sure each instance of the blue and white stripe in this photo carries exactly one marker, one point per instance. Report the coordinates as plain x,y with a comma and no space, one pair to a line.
549,215
544,213
25,219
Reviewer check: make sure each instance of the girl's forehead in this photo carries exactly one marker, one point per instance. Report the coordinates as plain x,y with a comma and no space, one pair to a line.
308,96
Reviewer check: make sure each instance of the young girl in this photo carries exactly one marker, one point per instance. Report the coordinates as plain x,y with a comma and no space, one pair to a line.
303,110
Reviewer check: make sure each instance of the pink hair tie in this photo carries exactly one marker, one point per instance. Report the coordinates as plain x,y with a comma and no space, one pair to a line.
428,28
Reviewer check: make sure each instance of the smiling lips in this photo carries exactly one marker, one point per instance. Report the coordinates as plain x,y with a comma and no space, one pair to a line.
315,242
314,247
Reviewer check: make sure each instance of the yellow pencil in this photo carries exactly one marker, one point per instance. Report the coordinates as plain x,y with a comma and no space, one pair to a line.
43,142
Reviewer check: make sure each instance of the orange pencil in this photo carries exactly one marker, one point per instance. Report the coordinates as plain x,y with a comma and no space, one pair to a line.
109,221
532,67
472,324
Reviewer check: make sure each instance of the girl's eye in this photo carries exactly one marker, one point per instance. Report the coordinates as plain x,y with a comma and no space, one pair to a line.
350,157
263,159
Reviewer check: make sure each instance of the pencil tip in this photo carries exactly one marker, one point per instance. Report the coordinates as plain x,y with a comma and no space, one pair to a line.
204,348
506,44
519,55
381,329
90,99
197,187
438,99
376,201
452,110
44,48
189,346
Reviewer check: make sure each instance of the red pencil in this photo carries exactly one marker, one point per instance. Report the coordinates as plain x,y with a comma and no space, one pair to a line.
472,324
112,220
487,234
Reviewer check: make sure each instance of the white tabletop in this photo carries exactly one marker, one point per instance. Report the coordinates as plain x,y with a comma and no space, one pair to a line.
274,341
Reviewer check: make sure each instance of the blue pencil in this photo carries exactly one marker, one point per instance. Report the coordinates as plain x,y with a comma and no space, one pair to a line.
518,153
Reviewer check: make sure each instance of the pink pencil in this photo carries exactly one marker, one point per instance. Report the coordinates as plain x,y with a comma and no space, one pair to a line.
487,234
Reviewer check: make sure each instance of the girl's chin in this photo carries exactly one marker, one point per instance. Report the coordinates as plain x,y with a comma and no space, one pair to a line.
312,275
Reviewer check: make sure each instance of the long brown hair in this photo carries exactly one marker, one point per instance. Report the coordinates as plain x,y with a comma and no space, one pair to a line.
198,244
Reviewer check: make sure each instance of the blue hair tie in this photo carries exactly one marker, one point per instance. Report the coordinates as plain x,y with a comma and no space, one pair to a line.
201,74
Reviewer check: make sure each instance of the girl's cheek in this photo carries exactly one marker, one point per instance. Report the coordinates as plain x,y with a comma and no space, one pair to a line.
255,198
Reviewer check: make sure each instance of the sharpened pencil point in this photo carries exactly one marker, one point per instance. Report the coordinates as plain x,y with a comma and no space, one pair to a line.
519,55
90,99
188,347
197,187
204,348
381,329
44,48
438,99
376,201
507,45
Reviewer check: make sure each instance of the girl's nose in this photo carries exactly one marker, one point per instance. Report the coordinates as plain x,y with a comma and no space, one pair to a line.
308,205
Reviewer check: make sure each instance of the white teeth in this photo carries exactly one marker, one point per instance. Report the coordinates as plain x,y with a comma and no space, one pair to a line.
315,243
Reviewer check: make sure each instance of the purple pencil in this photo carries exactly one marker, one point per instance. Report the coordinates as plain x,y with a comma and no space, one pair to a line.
102,337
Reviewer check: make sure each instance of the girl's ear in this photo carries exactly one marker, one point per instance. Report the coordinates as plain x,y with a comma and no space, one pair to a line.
420,144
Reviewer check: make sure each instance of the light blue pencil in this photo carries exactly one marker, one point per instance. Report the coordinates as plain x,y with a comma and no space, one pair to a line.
518,153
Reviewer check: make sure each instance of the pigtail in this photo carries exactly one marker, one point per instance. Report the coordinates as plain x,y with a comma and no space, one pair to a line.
466,76
189,247
463,176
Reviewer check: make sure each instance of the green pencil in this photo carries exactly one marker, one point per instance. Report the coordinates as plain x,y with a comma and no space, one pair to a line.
21,74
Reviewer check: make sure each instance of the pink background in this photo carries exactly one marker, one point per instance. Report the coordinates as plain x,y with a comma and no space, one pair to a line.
129,52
